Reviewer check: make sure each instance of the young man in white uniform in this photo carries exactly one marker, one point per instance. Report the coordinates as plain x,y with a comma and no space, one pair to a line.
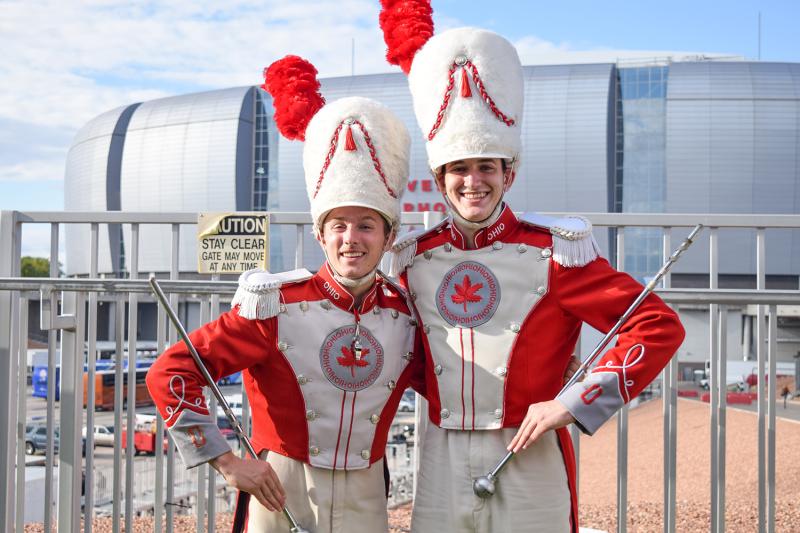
501,301
325,358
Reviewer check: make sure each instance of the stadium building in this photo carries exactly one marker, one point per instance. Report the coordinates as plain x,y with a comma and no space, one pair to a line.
690,136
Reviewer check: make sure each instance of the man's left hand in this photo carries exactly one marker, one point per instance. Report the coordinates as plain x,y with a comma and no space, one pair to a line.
541,417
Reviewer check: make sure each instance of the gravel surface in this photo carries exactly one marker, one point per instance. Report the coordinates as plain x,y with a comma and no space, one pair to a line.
645,471
645,476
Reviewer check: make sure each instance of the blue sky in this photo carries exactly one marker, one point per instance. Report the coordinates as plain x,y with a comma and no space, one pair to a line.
66,62
702,25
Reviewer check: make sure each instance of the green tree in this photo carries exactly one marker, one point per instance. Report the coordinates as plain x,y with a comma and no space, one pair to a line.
35,267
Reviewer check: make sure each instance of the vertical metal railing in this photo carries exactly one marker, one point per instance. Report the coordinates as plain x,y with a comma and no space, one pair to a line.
200,470
669,392
722,364
22,409
772,393
763,524
119,339
51,384
158,496
133,326
713,321
174,266
73,340
71,412
10,340
91,358
212,473
622,425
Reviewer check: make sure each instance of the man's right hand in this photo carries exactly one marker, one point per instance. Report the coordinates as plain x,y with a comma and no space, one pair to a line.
252,476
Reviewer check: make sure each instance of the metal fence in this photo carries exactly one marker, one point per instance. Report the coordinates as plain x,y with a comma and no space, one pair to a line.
69,311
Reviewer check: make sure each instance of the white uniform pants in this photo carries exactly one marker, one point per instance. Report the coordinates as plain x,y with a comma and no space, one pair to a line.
323,500
532,493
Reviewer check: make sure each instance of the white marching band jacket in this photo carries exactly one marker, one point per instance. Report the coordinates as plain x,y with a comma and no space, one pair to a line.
317,396
500,321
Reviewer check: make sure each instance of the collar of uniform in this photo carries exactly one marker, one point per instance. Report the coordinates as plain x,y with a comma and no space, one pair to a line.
504,224
338,294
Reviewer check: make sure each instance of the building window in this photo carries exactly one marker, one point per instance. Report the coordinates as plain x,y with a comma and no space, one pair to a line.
263,120
640,171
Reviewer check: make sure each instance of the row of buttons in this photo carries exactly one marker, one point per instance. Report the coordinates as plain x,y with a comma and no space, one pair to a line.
514,327
445,413
312,415
314,451
391,384
500,370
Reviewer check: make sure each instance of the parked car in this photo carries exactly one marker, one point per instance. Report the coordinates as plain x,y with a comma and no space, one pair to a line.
407,402
103,435
36,440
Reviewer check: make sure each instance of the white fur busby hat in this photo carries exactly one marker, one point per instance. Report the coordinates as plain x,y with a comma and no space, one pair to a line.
356,150
466,84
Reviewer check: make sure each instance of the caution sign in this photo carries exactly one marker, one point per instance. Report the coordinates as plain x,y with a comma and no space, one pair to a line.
231,243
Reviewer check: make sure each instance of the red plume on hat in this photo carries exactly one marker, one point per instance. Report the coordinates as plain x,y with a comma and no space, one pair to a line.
292,82
407,25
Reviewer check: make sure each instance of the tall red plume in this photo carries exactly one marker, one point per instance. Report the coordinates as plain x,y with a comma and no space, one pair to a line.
406,25
292,82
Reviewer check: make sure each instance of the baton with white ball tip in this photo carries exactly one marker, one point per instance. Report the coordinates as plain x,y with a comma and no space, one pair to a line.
294,527
484,486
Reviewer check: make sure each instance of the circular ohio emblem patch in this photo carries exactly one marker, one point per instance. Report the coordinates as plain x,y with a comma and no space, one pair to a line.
468,295
343,366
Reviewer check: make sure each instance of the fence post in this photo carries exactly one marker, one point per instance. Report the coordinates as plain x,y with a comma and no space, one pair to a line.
71,415
9,266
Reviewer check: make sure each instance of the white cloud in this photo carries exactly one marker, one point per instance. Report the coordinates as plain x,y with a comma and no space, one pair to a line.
64,63
33,170
535,51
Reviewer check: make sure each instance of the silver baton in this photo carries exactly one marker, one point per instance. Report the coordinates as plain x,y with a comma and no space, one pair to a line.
237,427
484,486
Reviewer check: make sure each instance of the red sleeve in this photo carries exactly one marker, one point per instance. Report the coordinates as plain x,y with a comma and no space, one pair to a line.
226,345
599,295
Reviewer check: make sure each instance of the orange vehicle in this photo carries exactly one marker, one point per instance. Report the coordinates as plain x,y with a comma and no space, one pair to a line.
104,389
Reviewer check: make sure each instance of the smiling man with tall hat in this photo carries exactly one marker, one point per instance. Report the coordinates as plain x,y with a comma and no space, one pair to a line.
325,357
501,299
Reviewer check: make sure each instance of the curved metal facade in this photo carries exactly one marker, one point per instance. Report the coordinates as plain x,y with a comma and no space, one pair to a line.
185,153
92,184
567,131
733,146
730,138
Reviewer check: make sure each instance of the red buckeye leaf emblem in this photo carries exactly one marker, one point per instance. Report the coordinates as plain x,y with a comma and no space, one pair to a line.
349,359
466,293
